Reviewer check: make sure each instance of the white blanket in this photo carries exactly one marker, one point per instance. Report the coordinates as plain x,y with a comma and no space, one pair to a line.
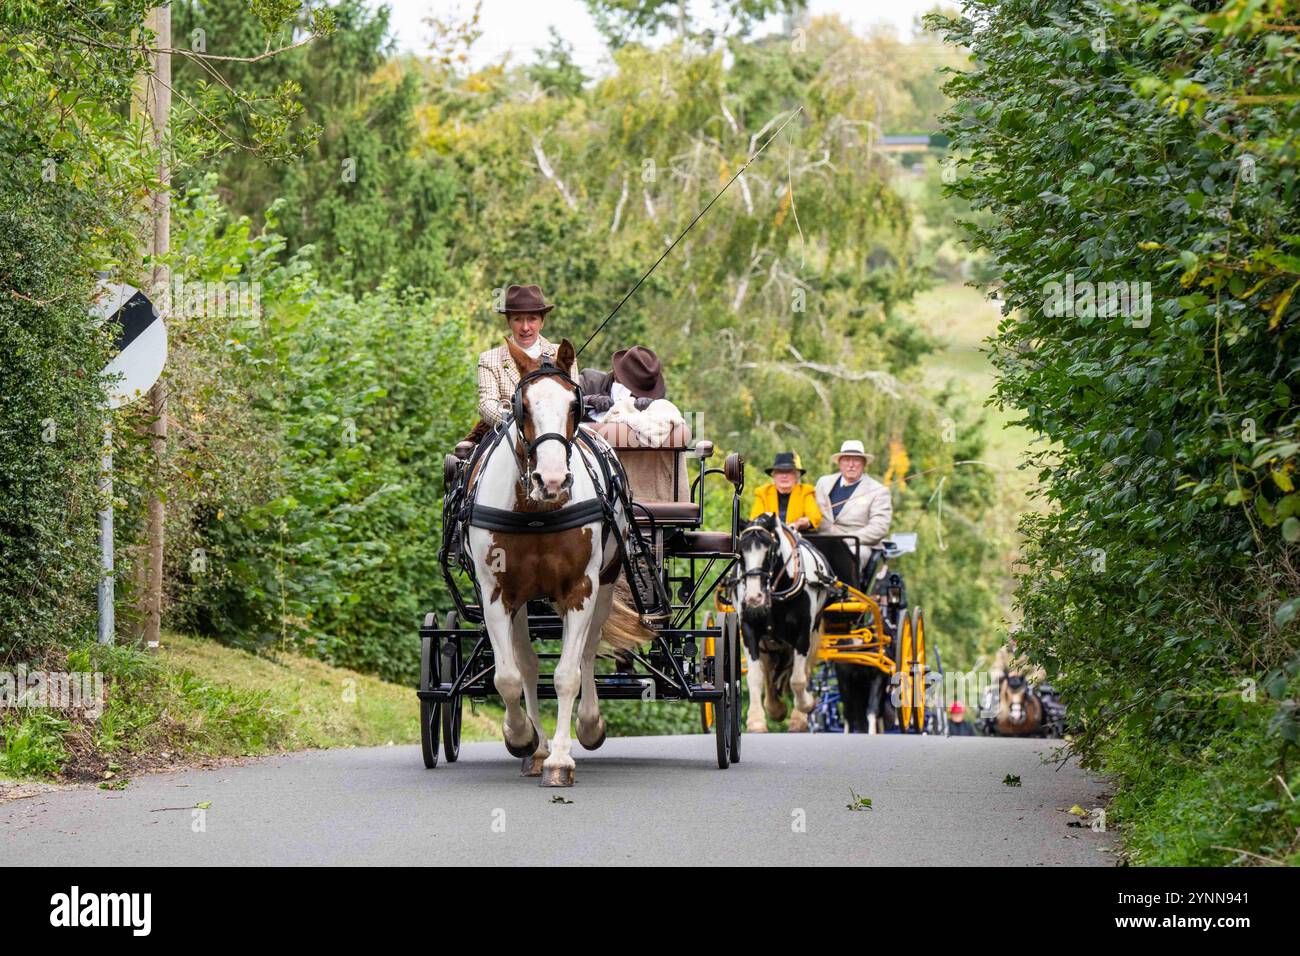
653,426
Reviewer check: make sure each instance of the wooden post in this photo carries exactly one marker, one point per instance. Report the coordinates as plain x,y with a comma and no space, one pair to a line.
152,104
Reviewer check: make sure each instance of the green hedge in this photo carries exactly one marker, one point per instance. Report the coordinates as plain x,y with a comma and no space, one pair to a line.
1153,145
50,360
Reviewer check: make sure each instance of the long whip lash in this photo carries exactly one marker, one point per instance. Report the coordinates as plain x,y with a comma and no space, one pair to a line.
698,217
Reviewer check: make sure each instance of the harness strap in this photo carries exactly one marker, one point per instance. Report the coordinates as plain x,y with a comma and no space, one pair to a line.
535,522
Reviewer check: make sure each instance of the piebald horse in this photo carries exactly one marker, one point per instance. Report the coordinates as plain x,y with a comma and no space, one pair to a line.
534,471
782,585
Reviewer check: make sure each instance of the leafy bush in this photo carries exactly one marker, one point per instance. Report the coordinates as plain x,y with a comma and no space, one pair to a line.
308,474
50,420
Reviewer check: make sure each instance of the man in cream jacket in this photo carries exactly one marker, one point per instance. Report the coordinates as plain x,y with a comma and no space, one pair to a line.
853,503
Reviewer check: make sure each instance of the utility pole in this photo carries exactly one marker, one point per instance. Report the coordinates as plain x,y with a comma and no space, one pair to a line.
152,104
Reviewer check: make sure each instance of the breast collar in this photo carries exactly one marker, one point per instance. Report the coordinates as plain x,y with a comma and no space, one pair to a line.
576,515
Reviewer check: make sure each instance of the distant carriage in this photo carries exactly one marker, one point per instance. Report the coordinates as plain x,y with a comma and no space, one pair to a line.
875,655
875,668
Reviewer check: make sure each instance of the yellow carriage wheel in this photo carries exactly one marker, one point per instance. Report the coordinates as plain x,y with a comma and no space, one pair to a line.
706,709
905,660
918,642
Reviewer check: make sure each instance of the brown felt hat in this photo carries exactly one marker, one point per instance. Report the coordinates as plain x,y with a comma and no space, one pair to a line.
525,298
637,369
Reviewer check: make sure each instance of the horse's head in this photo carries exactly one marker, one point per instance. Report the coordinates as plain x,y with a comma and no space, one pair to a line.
547,409
760,562
1015,691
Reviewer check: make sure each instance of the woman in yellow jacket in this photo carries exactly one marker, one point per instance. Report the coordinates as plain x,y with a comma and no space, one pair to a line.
786,496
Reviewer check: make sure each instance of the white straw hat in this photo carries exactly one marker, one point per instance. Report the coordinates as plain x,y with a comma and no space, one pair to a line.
853,447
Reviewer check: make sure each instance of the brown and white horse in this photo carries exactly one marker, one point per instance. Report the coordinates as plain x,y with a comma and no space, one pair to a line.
1020,712
535,469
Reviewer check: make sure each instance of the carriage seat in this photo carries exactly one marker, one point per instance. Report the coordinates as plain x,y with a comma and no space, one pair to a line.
656,475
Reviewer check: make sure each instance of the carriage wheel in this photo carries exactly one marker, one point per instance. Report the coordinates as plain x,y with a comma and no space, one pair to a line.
429,710
906,657
722,709
452,712
731,635
918,681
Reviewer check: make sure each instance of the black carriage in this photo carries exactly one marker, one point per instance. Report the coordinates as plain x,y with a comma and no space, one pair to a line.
672,568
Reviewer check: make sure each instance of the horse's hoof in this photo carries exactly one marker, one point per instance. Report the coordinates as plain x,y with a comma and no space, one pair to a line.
756,727
532,766
595,744
557,776
528,749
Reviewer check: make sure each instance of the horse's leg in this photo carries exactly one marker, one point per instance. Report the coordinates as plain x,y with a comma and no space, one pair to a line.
804,702
850,696
875,691
522,737
526,656
591,726
755,722
557,769
773,700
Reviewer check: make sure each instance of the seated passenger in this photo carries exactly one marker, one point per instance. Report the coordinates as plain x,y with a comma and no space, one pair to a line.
853,503
786,496
637,374
525,311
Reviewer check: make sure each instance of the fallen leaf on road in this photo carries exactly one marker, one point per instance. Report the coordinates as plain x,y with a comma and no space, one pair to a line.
1011,780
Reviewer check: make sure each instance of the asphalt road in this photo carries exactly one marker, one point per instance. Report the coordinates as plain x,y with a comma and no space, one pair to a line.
639,801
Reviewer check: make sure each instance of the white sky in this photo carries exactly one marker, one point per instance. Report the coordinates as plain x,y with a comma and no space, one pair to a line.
520,26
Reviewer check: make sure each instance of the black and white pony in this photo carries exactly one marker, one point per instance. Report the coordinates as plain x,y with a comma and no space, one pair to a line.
781,586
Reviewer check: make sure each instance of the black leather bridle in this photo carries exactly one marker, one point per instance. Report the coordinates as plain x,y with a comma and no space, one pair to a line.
527,455
771,568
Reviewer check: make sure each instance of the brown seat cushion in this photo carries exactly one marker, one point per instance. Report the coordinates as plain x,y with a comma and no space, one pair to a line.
666,512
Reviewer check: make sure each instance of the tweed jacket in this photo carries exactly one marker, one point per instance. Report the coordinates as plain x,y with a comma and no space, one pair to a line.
866,514
498,377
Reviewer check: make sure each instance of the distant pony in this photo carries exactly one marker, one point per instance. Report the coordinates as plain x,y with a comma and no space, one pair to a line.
780,589
1020,712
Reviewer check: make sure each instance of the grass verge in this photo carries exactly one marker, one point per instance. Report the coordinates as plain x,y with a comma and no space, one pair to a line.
196,702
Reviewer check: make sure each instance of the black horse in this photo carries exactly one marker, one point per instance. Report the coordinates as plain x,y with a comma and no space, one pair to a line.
780,589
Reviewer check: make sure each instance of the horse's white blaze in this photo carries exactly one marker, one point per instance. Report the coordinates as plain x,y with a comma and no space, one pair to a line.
550,407
751,559
755,722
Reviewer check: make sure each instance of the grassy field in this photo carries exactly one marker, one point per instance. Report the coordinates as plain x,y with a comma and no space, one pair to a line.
961,318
